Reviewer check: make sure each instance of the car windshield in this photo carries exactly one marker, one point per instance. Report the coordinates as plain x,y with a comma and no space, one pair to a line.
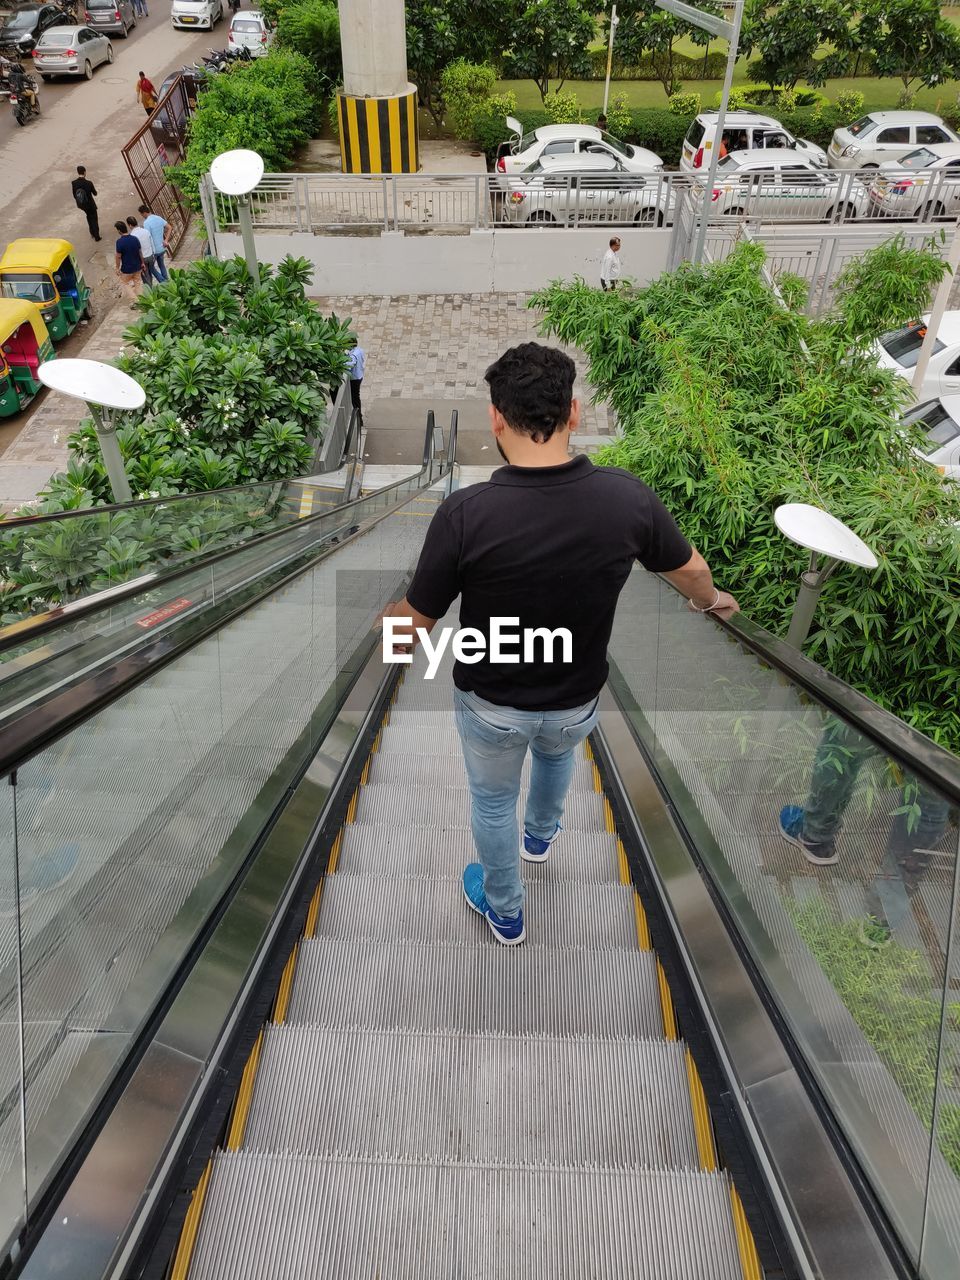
32,286
616,145
863,125
22,21
56,39
917,159
936,422
903,345
244,24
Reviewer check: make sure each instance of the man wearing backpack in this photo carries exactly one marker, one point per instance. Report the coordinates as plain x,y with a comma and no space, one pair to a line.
83,193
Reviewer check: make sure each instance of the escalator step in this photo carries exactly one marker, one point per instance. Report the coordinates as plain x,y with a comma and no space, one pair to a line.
290,1217
410,908
420,851
439,807
475,988
622,1104
406,768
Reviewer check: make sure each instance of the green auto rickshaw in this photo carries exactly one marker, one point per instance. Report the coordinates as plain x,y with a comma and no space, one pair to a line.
46,274
24,346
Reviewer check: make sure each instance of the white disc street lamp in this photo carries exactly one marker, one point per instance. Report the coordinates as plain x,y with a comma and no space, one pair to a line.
237,173
822,535
106,392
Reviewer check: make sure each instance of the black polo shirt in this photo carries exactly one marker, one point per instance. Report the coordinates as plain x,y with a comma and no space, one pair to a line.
552,547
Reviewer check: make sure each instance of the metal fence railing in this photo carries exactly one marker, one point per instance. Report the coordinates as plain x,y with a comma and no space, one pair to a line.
318,202
161,141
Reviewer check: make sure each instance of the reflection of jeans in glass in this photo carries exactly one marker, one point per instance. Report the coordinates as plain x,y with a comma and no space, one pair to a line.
495,741
841,753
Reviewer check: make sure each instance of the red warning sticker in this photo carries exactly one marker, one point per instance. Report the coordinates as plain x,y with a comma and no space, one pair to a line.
161,615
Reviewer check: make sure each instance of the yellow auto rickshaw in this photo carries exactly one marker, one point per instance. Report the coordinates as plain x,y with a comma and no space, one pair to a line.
46,274
24,346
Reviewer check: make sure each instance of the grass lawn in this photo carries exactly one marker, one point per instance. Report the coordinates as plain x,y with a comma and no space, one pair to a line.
878,94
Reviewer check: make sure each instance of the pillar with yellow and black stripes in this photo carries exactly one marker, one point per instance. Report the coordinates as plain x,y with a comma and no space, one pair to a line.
377,107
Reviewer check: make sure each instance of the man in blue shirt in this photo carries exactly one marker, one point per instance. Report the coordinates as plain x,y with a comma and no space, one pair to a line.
129,262
159,230
358,362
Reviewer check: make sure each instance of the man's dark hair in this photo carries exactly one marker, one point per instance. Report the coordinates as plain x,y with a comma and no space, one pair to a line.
121,227
532,387
145,209
131,221
81,170
614,240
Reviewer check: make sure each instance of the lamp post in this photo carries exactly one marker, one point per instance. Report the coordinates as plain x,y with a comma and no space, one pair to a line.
237,173
822,535
106,392
614,20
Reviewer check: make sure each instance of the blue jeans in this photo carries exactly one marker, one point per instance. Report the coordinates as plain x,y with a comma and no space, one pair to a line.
495,741
161,265
151,272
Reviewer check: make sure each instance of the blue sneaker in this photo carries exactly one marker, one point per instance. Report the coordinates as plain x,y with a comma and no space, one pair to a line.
506,929
821,853
533,849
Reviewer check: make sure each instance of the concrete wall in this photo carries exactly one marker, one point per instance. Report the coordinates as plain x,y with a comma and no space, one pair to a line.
374,47
505,260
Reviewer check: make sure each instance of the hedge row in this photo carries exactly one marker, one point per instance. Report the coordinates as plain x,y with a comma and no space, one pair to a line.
687,68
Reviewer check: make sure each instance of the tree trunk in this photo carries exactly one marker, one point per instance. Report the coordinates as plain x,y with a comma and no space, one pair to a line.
706,58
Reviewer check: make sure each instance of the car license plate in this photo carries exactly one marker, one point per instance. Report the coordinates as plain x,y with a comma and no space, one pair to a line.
188,19
53,57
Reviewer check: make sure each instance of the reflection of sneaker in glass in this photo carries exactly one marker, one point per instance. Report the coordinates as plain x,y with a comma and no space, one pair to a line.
874,933
533,849
506,929
821,853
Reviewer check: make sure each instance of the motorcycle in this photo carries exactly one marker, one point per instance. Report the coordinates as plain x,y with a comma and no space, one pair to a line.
24,103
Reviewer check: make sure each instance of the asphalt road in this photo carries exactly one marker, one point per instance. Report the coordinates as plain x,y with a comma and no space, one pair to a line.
87,122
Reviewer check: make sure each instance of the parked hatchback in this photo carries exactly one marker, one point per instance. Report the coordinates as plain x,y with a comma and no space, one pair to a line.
742,131
923,185
569,140
71,51
899,350
782,185
189,14
23,29
250,31
585,188
886,135
116,16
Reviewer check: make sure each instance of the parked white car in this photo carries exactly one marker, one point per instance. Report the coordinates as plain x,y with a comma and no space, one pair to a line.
586,188
886,135
899,350
568,140
188,15
925,184
782,185
940,420
71,51
252,31
742,131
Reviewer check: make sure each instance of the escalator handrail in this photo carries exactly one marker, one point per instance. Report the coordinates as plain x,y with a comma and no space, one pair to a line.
17,633
920,754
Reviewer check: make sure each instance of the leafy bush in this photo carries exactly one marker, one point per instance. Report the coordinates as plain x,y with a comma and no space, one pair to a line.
849,103
465,87
489,121
562,106
736,101
270,105
658,130
712,67
312,27
236,380
731,404
618,115
684,104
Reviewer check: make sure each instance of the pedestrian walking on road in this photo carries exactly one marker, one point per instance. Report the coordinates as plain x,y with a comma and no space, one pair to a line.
140,9
146,93
159,229
234,6
145,240
358,363
610,266
84,193
129,261
544,546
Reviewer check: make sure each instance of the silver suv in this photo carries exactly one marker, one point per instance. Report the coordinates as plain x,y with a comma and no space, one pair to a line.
116,16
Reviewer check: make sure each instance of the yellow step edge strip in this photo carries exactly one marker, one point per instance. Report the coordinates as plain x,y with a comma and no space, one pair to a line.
333,859
191,1228
643,931
597,782
366,772
702,1124
352,807
749,1259
622,863
241,1107
587,749
282,1002
666,1005
609,825
313,911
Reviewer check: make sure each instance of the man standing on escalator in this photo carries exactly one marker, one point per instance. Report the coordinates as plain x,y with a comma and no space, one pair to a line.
545,545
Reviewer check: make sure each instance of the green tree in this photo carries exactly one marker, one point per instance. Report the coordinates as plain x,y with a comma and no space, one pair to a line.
732,403
644,29
787,34
910,40
549,40
312,27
